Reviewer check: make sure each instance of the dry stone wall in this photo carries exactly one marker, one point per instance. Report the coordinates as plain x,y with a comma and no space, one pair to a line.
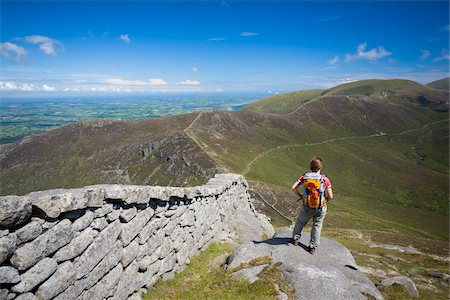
112,241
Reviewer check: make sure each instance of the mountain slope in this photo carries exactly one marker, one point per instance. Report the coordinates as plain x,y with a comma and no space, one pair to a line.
442,84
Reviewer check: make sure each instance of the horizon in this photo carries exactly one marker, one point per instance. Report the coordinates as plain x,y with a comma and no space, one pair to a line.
219,47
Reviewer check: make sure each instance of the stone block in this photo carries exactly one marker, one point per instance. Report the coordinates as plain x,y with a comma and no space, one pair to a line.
14,211
8,245
34,276
58,282
76,246
29,231
126,215
131,230
9,275
44,245
83,222
99,224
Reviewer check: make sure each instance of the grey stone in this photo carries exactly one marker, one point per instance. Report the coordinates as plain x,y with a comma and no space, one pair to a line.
131,230
14,211
251,274
29,231
110,261
401,280
44,245
27,296
11,296
168,263
99,224
4,233
9,275
49,224
143,251
112,216
3,294
126,215
188,219
37,219
8,245
55,202
247,252
149,230
98,249
58,282
83,222
37,274
104,210
439,275
105,287
127,282
129,253
76,246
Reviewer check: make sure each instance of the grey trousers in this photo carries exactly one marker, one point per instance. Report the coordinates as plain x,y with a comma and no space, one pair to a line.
305,214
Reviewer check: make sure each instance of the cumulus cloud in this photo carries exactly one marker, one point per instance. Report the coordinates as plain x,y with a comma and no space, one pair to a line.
25,87
217,39
47,45
334,60
249,33
445,55
372,54
125,38
12,51
425,54
120,81
194,69
189,82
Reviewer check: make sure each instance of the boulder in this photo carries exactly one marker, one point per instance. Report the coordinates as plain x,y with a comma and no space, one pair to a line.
131,230
126,215
401,280
251,274
14,211
83,222
329,274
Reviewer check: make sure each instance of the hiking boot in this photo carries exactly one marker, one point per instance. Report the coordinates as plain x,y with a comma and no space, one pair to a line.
312,250
296,242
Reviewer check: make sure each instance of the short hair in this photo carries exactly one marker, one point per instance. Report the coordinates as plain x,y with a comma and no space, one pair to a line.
316,164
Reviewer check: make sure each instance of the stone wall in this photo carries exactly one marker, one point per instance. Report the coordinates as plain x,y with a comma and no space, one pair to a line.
113,241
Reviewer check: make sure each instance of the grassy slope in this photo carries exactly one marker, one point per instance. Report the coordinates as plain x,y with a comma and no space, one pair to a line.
442,84
283,103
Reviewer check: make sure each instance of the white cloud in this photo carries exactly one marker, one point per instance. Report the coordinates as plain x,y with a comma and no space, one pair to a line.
194,69
48,88
334,60
249,33
217,39
219,90
125,38
446,28
25,87
445,55
189,82
157,81
47,45
372,54
12,51
120,81
425,54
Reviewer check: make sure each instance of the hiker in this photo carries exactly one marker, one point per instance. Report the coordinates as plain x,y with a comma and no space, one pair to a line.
317,194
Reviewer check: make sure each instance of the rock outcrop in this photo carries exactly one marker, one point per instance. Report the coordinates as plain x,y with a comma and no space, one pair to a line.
331,273
111,240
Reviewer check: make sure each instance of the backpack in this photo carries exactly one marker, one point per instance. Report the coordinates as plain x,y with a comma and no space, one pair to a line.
314,194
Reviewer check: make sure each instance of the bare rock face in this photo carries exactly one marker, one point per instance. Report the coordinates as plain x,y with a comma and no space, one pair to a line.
14,211
332,270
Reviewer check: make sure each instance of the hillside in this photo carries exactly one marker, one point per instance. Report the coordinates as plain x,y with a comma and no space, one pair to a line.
441,84
385,145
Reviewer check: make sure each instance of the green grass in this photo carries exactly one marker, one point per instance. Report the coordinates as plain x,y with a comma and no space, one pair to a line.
284,103
205,278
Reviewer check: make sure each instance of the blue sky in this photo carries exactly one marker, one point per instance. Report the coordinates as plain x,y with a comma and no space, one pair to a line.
217,46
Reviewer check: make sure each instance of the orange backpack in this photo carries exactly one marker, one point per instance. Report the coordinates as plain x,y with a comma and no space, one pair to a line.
314,194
